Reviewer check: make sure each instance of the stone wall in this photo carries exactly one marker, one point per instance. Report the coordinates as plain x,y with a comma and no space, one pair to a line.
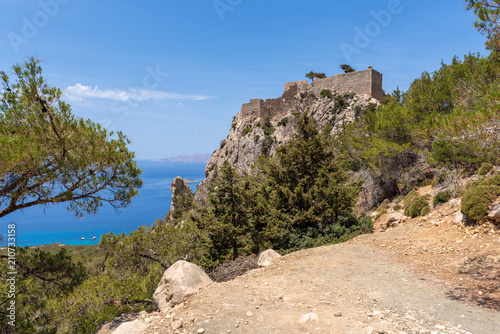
361,82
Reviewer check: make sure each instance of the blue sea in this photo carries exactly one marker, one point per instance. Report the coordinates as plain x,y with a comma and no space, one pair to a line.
41,225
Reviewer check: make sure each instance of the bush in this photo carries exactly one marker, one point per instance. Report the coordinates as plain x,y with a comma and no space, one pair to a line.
441,197
340,104
326,93
247,131
485,168
283,122
312,96
478,197
425,210
415,205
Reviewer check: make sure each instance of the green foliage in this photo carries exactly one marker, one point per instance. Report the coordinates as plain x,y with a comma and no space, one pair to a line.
488,16
50,156
441,197
326,93
425,210
312,96
283,121
478,197
485,168
347,68
340,103
182,203
312,75
247,131
296,114
416,205
304,187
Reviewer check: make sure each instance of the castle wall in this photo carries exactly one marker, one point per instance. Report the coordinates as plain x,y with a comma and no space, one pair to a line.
252,109
361,82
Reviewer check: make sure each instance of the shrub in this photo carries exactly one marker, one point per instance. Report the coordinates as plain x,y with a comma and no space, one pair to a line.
268,128
326,93
485,168
415,205
340,104
397,207
247,131
296,114
312,96
425,210
478,197
441,197
283,121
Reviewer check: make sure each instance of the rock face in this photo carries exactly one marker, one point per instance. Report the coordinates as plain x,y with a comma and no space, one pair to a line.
251,135
495,213
178,187
179,281
267,257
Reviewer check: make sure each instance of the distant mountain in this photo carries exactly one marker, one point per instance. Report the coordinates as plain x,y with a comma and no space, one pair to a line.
205,157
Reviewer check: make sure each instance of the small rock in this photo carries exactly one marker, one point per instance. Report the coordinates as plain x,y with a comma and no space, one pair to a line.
338,314
200,331
176,324
308,317
249,314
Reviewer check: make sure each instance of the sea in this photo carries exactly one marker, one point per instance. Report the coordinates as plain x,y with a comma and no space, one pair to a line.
54,224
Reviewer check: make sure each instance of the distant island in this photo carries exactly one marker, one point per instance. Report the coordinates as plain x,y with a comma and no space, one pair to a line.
205,157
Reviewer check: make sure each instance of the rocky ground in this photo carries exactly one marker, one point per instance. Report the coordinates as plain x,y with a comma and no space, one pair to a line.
424,275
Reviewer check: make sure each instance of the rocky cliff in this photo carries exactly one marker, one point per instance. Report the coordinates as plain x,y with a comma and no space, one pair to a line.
271,123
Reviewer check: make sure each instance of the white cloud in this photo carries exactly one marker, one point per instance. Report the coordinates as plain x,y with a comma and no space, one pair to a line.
80,92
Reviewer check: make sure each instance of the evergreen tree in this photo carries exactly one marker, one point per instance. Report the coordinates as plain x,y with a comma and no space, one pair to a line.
49,156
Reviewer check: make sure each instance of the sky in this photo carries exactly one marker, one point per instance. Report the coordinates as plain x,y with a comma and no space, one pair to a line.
172,74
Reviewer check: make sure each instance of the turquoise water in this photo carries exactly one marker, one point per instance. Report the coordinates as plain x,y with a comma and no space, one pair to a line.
54,224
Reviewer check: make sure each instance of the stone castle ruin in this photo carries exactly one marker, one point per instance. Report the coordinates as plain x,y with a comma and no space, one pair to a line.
361,82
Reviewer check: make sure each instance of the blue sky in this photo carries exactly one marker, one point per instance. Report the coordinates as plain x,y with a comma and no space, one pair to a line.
172,74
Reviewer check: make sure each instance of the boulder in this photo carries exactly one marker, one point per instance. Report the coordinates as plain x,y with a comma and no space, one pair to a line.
132,327
494,213
394,219
180,281
266,258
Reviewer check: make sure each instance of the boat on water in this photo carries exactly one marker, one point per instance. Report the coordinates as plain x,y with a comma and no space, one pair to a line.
82,238
93,238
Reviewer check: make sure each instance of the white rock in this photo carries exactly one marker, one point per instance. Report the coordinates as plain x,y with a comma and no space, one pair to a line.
179,281
267,257
176,324
459,218
495,213
308,317
132,327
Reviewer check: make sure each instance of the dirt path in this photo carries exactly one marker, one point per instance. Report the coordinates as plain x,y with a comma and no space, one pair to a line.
426,275
351,288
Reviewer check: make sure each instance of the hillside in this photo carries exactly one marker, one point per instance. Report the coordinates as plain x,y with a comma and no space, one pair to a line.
426,275
188,158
